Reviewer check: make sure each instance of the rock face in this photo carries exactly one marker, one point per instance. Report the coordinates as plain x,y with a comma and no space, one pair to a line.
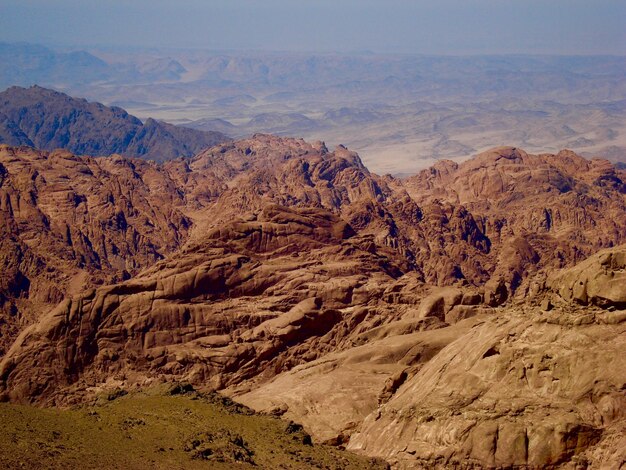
69,223
48,120
523,388
72,222
599,280
202,317
399,318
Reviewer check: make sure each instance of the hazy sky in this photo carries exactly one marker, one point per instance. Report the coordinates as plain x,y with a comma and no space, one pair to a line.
422,26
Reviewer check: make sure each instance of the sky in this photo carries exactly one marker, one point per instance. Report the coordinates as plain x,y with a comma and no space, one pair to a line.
454,27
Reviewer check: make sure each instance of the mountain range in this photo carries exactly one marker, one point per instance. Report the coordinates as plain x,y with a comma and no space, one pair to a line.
30,64
402,113
470,315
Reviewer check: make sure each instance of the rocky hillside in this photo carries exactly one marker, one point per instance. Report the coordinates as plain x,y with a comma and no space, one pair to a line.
72,222
387,315
76,222
528,386
48,120
538,210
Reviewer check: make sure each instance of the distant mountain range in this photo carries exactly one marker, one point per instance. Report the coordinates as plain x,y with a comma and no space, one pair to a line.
47,119
401,113
29,64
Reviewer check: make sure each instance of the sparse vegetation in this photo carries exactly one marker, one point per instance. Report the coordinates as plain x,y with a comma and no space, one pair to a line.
159,429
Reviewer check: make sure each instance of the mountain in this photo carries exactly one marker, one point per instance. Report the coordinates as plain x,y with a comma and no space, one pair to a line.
219,125
89,221
271,122
28,64
448,319
47,119
531,205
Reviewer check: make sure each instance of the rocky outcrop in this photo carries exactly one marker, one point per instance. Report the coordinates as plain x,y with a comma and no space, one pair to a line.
513,386
523,387
220,313
49,120
537,211
517,390
332,395
599,280
69,223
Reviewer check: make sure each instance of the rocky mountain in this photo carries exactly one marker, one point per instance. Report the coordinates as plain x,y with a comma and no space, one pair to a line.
423,320
47,120
70,222
540,209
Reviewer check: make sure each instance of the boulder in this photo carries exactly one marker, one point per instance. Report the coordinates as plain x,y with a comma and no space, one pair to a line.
599,280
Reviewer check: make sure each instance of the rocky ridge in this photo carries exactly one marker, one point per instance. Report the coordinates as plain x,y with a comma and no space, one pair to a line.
48,120
70,222
542,210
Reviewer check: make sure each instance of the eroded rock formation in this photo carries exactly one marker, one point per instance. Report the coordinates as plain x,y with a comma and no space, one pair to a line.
420,320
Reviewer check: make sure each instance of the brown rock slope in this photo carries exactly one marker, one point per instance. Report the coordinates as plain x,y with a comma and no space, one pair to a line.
305,285
546,212
220,313
68,223
537,211
523,388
